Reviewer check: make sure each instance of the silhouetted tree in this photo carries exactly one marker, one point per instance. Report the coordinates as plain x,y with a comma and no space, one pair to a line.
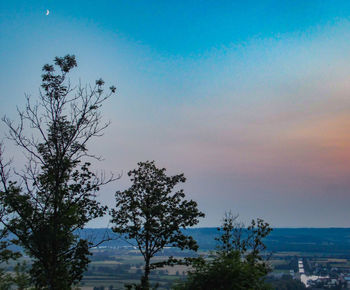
237,263
21,277
286,282
5,253
5,256
152,215
56,193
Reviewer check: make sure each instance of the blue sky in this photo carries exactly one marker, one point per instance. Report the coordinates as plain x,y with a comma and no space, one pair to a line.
250,99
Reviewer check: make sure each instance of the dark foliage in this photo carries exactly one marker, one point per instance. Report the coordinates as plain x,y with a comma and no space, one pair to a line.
150,213
5,253
55,195
286,282
237,263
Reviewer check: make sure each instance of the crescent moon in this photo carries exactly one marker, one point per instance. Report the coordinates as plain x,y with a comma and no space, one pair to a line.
47,12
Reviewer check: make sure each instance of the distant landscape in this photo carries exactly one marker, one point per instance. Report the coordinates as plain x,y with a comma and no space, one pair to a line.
324,252
308,240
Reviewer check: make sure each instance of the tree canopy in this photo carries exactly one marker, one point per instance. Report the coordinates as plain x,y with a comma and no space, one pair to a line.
46,203
152,214
237,263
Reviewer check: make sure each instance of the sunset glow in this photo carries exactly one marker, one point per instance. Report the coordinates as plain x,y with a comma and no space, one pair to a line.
253,105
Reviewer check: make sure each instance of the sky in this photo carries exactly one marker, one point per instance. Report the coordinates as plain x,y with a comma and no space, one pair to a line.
249,99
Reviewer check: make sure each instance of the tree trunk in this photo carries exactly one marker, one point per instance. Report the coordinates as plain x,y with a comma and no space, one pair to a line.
144,280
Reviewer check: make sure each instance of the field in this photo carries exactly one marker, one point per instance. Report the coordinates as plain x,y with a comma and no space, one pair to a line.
112,268
324,252
122,267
